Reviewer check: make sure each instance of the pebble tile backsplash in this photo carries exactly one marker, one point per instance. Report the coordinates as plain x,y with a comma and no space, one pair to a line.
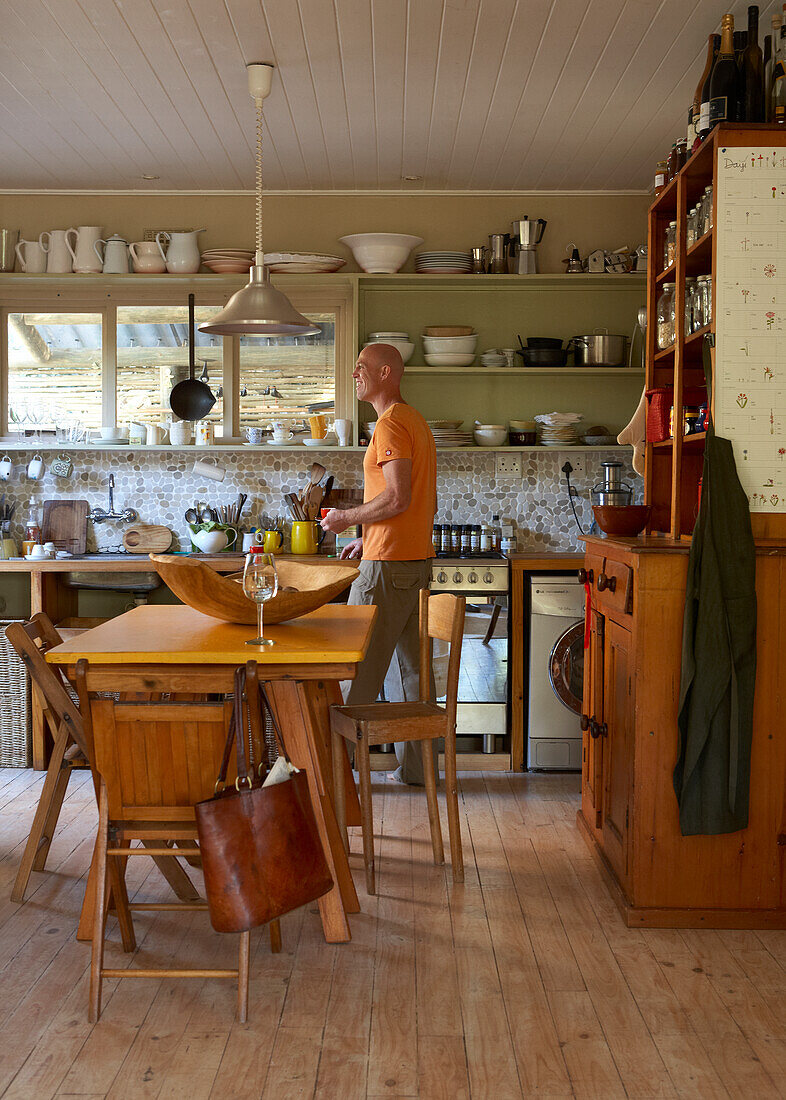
160,486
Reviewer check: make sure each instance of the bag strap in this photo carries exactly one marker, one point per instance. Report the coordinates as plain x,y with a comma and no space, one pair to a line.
235,734
707,364
276,728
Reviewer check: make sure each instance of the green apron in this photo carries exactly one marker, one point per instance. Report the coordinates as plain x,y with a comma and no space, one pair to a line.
712,776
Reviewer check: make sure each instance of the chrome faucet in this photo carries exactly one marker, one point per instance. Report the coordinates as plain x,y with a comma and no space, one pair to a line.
98,515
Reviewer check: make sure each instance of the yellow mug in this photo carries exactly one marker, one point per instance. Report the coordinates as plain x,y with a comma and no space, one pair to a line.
306,536
318,426
272,542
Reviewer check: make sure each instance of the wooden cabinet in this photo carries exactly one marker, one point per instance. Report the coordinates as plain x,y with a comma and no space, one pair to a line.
629,810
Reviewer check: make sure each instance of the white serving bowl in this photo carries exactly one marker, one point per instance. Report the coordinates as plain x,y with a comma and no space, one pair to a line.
113,433
490,435
453,360
381,253
450,344
404,346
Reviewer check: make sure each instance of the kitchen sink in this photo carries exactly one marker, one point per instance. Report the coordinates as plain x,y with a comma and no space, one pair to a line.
116,581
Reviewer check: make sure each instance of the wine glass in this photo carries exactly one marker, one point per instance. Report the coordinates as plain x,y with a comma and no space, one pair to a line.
260,584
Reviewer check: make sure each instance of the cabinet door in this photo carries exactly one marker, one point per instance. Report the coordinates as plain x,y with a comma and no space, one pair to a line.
617,737
592,714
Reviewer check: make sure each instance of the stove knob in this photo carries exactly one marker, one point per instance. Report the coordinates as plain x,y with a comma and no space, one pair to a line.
457,577
442,577
473,577
488,577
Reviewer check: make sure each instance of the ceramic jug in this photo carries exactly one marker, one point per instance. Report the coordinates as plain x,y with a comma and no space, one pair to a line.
156,434
180,432
182,256
115,257
213,542
86,260
59,254
148,257
31,256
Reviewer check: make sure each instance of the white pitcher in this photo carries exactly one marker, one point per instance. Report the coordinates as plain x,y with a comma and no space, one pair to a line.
115,258
86,259
31,256
59,253
148,257
213,542
182,257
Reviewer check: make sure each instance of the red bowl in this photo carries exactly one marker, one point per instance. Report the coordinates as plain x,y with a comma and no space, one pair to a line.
627,520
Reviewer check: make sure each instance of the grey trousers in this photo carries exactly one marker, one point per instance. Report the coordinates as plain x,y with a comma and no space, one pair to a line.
393,656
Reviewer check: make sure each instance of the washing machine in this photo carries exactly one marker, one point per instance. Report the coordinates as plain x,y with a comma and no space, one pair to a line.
556,670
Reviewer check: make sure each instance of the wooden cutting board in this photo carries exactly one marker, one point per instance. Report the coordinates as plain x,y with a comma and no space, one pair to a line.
65,524
147,538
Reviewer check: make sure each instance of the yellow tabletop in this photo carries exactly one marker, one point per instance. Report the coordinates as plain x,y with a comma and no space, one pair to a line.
163,634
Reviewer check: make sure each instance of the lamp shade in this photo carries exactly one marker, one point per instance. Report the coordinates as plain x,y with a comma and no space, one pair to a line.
259,309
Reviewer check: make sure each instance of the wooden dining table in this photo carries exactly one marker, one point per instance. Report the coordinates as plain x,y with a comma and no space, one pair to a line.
162,648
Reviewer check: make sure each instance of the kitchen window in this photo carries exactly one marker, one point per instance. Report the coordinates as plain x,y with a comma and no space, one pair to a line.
54,371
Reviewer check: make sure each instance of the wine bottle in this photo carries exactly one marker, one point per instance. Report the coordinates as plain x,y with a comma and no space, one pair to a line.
767,77
753,70
740,42
724,80
695,107
703,127
776,45
779,82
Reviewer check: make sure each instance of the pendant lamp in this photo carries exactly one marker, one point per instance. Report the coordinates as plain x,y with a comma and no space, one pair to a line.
259,308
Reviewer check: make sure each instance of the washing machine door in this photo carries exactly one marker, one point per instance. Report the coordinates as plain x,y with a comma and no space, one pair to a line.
566,667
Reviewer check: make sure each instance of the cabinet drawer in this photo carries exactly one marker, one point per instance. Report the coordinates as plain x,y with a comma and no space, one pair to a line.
613,585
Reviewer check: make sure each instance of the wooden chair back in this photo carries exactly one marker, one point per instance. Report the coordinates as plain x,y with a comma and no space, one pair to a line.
442,616
31,640
159,757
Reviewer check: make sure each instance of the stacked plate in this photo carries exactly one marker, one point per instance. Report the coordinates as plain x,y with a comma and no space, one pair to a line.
228,261
444,263
304,263
446,433
559,429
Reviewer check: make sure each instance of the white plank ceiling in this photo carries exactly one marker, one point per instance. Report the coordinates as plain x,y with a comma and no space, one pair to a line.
462,94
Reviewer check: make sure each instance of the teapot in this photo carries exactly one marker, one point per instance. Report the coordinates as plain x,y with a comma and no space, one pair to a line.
212,538
86,260
182,256
115,258
59,253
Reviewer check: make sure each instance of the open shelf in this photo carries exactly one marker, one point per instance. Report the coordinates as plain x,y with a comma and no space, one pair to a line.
664,354
667,275
698,258
697,336
418,369
687,441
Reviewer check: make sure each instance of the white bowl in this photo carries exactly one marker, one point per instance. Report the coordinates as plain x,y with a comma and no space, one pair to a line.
490,437
455,360
450,344
113,433
329,441
404,346
381,253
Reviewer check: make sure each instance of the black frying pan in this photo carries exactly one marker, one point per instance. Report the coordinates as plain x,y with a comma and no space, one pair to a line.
191,399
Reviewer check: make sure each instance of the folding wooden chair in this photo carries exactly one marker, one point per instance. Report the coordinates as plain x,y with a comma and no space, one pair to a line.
441,616
155,760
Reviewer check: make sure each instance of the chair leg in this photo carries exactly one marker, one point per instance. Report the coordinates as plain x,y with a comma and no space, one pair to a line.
275,936
451,798
366,814
174,874
99,913
492,623
43,825
194,860
243,955
427,749
340,788
56,805
117,882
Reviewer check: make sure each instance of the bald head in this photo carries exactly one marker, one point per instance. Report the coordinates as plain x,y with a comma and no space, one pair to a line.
378,374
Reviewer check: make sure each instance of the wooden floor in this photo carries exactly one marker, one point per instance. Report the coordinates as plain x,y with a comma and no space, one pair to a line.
521,982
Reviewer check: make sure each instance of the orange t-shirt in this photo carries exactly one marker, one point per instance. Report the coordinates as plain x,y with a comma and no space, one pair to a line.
401,432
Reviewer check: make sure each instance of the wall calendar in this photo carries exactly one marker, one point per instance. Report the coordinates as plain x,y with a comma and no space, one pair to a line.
750,319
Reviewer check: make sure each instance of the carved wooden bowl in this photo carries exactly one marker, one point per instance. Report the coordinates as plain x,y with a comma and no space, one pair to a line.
302,588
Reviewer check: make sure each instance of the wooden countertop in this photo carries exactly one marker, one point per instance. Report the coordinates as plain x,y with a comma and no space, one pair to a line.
140,563
160,634
534,561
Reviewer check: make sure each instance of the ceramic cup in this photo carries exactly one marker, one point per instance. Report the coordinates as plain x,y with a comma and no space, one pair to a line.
37,552
50,548
6,468
254,436
510,356
36,468
343,429
209,470
281,435
180,433
318,425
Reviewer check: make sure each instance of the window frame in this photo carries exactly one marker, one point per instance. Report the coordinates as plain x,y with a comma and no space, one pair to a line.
103,296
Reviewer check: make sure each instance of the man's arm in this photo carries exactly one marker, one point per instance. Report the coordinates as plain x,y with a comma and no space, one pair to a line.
392,501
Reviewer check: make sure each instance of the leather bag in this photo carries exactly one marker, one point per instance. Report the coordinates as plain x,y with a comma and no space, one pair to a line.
261,852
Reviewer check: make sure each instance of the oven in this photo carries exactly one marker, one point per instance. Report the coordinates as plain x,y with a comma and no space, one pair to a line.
482,722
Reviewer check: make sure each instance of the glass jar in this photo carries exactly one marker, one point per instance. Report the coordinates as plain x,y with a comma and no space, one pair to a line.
705,293
665,313
707,208
697,307
690,302
661,178
671,163
455,539
680,155
690,227
670,245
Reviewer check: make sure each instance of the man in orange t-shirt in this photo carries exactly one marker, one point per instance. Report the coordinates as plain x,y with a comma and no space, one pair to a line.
397,514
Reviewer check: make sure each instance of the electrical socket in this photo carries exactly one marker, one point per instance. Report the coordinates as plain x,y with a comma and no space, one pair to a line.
508,466
577,462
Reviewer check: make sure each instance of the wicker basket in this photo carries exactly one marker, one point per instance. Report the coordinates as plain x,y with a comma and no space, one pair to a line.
15,726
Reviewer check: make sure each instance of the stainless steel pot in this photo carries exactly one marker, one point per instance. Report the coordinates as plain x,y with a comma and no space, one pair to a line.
599,349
